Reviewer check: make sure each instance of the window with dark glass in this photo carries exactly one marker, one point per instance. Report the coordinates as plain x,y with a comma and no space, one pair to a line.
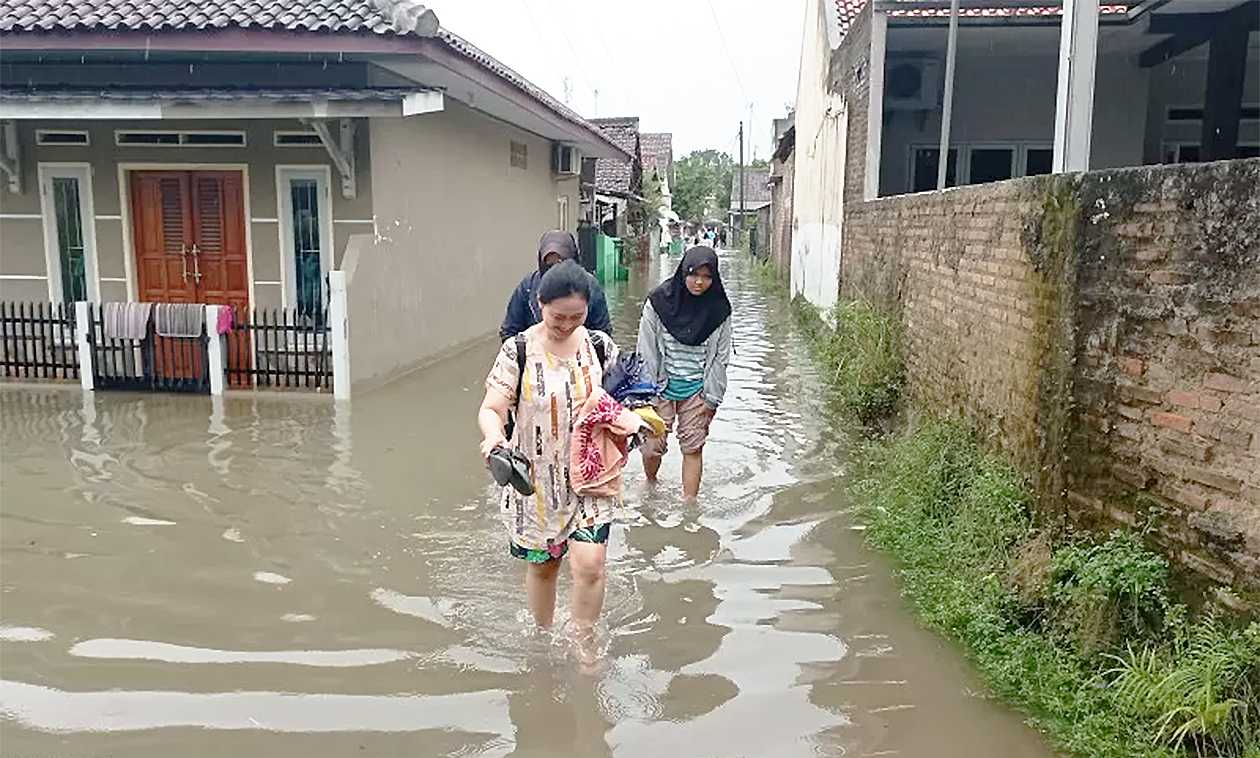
990,164
65,191
926,160
306,244
1038,161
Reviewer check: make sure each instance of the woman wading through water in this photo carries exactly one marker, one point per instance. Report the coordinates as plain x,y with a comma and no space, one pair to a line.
546,517
685,342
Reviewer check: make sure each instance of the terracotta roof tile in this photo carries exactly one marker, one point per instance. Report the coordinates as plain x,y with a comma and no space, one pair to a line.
615,174
847,12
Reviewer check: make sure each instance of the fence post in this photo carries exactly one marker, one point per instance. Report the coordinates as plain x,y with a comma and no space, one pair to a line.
214,349
83,336
339,327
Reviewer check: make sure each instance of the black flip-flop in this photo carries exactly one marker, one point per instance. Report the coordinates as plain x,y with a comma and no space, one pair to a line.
511,467
522,479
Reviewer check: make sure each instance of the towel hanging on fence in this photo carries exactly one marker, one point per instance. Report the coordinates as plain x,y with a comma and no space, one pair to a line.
225,320
125,321
179,319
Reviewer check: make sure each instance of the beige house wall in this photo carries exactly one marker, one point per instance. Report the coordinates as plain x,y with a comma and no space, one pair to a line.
457,228
22,231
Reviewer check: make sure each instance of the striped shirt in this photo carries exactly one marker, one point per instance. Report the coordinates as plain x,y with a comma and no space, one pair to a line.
684,365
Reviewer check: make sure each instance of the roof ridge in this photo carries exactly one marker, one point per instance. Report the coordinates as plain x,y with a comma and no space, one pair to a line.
408,16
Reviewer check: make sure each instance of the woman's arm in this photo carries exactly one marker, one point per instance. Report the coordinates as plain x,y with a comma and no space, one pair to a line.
491,418
715,372
648,344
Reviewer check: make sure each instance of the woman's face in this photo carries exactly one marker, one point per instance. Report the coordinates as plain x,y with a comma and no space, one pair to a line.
699,280
563,315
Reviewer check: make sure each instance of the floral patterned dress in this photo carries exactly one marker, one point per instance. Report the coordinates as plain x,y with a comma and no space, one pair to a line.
552,393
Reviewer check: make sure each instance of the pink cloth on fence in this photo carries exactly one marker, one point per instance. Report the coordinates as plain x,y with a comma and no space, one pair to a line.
598,448
225,320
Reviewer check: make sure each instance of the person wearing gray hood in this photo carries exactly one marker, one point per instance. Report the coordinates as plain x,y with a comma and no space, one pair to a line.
523,308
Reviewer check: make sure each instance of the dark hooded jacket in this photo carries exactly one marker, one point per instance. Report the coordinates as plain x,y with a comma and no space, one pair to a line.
523,310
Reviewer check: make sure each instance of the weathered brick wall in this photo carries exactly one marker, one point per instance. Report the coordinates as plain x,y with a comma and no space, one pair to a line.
781,234
850,75
1102,329
1168,359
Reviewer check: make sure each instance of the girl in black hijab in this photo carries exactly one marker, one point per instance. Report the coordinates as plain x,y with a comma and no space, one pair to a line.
685,342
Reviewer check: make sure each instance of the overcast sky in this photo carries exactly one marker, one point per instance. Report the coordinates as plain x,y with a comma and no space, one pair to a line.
696,89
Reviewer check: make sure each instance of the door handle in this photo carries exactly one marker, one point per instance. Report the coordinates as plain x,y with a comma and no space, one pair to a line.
196,254
183,259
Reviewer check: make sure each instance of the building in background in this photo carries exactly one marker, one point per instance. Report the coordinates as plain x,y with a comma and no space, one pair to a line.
231,154
618,179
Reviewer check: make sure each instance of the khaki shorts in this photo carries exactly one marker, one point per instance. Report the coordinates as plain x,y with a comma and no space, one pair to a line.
691,417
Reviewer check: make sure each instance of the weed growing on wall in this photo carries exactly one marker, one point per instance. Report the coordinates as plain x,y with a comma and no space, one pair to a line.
1084,635
860,352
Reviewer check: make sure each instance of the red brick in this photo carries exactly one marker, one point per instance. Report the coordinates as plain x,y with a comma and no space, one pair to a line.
1132,366
1212,479
1182,398
1248,408
1134,393
1188,448
1169,277
1131,475
1226,383
1173,421
1227,434
1186,496
1129,411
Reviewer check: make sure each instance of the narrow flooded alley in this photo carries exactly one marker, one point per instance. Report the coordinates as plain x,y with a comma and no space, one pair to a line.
278,575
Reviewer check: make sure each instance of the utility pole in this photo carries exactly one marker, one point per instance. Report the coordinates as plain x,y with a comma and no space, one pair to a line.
741,178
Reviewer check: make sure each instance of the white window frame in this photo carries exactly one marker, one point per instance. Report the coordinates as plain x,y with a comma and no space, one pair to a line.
1019,158
1021,162
82,172
958,173
181,146
970,146
562,212
39,138
322,175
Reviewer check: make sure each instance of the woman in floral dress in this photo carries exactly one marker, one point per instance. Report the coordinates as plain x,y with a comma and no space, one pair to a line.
562,368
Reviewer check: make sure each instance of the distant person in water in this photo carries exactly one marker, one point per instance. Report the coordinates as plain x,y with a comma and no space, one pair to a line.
685,342
523,309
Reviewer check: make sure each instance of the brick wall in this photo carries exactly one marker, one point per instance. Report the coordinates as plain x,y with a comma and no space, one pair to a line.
1103,329
781,234
850,75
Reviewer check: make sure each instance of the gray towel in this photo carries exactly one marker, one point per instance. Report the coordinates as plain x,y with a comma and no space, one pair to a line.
126,321
179,319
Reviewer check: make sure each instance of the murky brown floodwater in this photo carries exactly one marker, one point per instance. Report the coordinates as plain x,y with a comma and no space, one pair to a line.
276,576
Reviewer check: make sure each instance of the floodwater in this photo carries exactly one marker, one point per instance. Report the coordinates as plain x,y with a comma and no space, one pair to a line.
282,576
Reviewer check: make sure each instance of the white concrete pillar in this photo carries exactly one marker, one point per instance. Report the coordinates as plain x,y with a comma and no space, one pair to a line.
82,325
339,325
875,106
1074,105
947,103
214,349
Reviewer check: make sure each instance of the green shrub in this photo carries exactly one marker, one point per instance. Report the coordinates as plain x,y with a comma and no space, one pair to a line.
1201,693
861,355
1107,593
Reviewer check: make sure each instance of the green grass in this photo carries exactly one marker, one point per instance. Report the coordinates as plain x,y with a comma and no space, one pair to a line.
860,355
1083,636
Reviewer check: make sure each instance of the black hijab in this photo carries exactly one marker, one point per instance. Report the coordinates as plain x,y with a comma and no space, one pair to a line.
559,242
689,318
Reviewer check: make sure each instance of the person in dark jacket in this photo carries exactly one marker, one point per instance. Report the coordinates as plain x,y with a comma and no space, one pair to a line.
523,309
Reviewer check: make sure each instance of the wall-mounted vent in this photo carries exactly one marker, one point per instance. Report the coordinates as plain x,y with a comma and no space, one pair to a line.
61,137
158,138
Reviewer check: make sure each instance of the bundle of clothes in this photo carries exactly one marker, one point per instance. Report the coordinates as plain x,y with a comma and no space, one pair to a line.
611,422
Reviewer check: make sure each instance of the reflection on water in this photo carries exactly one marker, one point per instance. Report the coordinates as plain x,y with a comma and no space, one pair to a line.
286,575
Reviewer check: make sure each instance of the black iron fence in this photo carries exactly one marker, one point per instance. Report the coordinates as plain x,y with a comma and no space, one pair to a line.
277,348
153,362
37,341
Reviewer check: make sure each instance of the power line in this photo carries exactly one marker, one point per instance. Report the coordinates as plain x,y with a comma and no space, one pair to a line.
726,49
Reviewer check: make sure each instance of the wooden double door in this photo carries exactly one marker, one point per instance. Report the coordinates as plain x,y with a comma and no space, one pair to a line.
189,238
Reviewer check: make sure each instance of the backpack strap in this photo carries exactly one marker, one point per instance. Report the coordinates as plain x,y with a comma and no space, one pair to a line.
520,365
601,349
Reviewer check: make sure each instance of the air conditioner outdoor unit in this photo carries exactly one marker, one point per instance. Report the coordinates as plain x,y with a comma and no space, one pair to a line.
912,84
565,160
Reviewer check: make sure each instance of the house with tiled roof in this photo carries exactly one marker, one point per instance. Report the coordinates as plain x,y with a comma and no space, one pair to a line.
617,178
243,152
657,150
1034,87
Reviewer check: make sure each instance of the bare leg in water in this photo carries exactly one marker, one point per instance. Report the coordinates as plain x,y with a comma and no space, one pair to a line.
692,470
586,565
540,591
